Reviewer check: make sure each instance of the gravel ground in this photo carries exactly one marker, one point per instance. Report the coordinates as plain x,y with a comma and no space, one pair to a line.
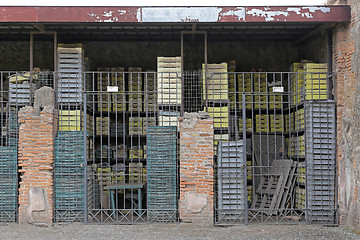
174,231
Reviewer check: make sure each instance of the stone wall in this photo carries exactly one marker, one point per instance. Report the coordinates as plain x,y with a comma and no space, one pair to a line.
346,45
196,204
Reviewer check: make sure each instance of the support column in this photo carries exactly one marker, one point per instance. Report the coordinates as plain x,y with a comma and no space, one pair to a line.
196,203
36,158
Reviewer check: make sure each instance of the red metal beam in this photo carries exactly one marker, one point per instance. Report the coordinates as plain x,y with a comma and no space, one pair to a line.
174,14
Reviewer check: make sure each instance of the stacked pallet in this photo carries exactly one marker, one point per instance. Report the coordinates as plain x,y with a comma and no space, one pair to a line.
275,189
169,89
215,82
103,152
69,175
220,116
135,89
12,127
103,78
218,138
102,126
162,185
8,183
232,86
320,143
231,182
71,78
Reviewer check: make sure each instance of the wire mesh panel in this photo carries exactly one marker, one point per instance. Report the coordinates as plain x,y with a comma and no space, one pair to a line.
286,124
123,108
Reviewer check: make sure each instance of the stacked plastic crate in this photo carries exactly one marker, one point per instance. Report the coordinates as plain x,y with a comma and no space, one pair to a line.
102,126
320,143
162,183
119,98
71,78
69,175
135,89
103,80
215,85
260,90
244,85
231,182
150,100
169,90
169,81
232,85
8,170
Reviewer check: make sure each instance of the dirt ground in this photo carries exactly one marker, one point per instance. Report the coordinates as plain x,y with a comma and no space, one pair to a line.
173,231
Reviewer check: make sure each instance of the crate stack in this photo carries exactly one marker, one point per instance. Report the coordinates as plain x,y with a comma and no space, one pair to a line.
232,86
135,89
162,183
231,181
103,80
215,83
220,116
309,79
137,173
136,152
244,85
168,118
102,126
269,123
150,99
135,125
118,129
260,89
169,89
73,120
103,152
69,175
320,143
71,82
21,94
119,151
8,183
119,98
276,99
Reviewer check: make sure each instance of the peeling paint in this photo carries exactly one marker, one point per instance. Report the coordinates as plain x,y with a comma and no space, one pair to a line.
175,14
180,14
239,13
268,15
314,9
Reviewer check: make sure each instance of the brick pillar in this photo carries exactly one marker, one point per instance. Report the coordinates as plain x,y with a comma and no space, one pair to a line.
196,203
36,147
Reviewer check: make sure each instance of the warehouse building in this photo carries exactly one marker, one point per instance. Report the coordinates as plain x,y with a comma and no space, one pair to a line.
218,115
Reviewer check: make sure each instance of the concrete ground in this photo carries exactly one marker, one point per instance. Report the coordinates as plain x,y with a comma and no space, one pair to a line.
174,231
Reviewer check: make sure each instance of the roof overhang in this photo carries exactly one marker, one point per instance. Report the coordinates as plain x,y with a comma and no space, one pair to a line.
278,14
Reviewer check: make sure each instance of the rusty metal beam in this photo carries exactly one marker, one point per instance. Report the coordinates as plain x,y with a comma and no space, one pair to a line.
174,14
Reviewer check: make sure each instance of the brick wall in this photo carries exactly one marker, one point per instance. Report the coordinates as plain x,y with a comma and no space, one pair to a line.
196,169
346,42
35,155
